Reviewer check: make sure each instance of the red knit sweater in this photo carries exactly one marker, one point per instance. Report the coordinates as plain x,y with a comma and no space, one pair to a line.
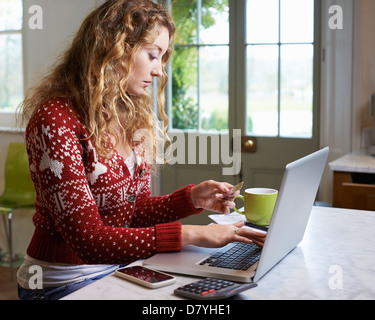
89,210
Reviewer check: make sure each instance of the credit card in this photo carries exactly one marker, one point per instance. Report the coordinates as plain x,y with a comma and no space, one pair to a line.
238,186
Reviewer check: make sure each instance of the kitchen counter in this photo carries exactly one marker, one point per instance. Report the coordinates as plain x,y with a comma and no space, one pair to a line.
335,260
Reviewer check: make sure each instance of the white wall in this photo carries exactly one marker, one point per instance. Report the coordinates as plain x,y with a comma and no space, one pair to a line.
336,89
347,80
61,19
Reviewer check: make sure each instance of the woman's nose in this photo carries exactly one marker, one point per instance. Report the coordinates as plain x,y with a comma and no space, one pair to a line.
157,71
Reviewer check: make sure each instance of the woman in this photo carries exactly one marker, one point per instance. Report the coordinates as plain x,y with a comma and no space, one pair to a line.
93,206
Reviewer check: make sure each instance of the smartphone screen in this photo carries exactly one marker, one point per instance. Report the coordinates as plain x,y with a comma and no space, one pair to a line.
145,274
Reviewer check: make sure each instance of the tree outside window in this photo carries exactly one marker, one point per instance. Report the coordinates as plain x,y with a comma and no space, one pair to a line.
200,64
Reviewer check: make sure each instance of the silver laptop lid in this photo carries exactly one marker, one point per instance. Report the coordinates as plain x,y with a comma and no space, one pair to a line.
292,209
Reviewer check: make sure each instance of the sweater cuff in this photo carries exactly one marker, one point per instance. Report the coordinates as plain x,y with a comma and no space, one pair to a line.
168,237
182,204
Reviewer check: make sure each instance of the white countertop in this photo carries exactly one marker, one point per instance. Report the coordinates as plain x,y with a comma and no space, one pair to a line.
335,260
354,162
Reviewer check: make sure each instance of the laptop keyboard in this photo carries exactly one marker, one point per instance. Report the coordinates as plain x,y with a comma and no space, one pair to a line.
239,257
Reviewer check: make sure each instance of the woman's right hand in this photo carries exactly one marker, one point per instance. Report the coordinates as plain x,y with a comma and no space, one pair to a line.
218,235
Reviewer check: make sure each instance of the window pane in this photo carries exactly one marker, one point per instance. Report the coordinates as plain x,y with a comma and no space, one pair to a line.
297,21
214,87
200,70
184,13
11,78
184,88
215,22
10,15
296,91
262,90
262,21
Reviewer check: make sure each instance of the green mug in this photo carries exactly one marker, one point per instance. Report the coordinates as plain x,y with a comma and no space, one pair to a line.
259,205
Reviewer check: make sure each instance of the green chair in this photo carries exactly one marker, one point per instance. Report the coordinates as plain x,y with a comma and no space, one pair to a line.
18,189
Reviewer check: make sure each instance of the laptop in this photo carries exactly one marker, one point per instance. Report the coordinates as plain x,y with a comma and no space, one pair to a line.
293,206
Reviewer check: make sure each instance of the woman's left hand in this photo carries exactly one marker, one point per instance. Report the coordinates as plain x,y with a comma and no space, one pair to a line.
214,196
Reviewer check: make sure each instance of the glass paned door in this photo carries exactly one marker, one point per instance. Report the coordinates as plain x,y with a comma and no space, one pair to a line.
267,69
281,98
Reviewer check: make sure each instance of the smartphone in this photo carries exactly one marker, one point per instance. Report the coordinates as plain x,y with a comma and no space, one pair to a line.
145,276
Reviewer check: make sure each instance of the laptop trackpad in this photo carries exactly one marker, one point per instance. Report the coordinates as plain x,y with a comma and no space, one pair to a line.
189,254
183,260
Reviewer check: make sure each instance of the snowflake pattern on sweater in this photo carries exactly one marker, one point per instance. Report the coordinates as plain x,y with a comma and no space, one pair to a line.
89,209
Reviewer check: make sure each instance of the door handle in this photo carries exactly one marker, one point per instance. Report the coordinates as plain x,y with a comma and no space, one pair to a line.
248,144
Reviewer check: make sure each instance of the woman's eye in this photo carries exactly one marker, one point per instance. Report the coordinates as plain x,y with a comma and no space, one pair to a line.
152,57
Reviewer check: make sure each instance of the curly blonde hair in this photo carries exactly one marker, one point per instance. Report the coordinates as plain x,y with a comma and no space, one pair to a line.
93,73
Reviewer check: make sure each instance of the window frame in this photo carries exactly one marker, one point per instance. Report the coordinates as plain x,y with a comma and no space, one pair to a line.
196,45
237,76
280,44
